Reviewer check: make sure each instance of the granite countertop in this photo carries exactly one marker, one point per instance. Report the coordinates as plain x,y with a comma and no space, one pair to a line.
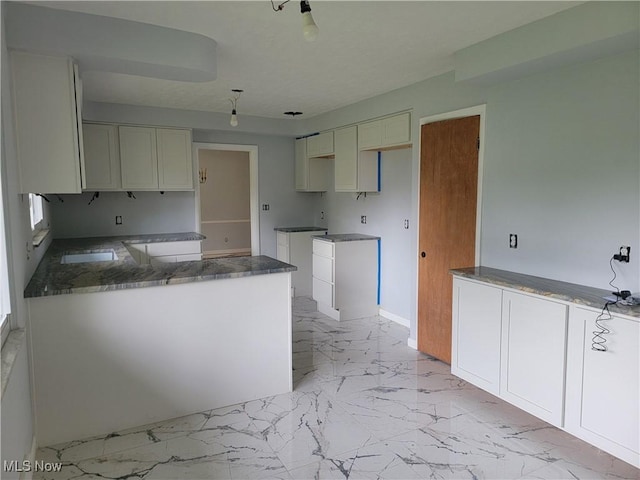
555,289
53,278
345,237
300,229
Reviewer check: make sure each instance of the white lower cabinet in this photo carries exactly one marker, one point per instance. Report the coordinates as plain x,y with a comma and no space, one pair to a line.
476,331
345,278
603,388
295,248
534,333
536,353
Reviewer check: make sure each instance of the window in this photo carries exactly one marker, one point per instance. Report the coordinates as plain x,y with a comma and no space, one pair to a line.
35,209
5,299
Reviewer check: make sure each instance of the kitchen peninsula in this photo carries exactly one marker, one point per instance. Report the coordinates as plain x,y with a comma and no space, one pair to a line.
117,344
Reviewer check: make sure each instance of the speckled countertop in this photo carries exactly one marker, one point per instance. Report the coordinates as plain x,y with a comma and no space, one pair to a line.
345,237
53,278
568,292
300,229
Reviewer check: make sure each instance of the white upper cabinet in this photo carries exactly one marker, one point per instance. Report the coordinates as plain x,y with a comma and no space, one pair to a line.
387,132
47,104
139,158
155,158
312,173
175,170
346,159
354,171
320,145
101,157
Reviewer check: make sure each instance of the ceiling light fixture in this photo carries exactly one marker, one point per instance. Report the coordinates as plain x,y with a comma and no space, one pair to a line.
309,28
234,100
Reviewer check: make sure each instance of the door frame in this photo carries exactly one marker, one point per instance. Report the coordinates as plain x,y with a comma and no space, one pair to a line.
254,200
462,113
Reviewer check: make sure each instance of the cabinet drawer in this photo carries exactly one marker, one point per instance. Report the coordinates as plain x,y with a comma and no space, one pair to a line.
323,292
283,238
173,248
323,248
323,268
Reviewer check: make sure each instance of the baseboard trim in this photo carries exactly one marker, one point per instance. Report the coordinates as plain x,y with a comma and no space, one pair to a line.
412,343
394,318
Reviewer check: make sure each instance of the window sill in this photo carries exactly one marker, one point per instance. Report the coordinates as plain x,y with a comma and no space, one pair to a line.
39,236
9,354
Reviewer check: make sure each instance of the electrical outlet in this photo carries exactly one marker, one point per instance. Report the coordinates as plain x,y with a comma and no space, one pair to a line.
513,240
623,256
265,207
321,215
118,219
363,219
406,224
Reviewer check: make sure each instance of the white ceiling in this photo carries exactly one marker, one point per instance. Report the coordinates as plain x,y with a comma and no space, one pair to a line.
364,48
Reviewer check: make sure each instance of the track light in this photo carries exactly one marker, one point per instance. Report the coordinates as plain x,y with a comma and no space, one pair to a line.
309,28
234,100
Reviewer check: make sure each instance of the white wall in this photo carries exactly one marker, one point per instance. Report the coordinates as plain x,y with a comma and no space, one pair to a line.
17,414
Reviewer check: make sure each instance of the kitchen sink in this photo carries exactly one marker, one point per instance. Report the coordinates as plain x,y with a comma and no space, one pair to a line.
89,257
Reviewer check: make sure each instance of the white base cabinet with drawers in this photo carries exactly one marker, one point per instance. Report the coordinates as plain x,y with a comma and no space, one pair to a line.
296,248
536,353
345,278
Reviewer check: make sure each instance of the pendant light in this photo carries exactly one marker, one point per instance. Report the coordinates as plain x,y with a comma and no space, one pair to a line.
234,100
309,28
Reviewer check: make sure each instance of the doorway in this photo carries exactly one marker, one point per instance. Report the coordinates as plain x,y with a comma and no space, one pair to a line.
449,216
227,199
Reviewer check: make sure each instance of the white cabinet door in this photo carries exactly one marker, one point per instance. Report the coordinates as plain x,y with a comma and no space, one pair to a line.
370,134
321,144
384,133
346,159
312,173
282,253
396,130
139,158
534,335
477,311
48,132
302,177
175,171
603,388
101,157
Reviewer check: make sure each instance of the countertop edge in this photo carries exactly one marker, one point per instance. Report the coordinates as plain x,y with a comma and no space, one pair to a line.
581,295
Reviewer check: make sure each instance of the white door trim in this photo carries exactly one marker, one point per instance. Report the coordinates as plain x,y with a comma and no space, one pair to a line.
253,182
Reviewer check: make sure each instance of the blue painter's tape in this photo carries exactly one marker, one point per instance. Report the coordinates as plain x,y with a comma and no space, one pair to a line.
379,264
379,169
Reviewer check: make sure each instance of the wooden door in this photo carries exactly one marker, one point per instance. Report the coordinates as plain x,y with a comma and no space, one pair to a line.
448,197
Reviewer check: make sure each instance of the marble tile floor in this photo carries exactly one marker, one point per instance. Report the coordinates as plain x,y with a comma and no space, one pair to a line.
364,406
